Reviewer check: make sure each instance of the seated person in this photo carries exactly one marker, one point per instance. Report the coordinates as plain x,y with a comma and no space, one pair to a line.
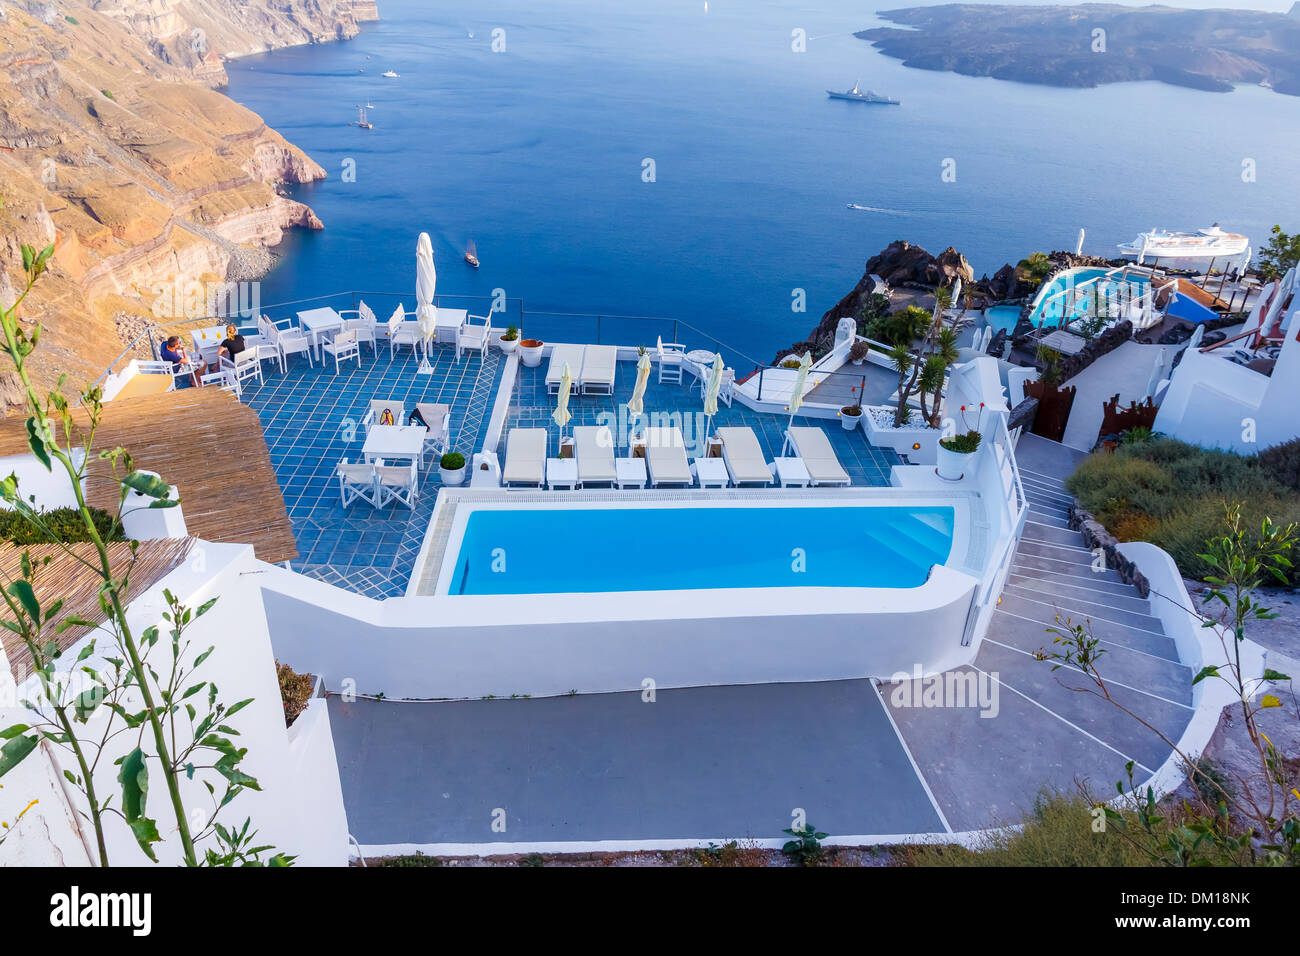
231,345
172,351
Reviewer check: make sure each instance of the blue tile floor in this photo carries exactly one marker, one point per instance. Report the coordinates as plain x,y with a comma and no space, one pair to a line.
312,420
531,407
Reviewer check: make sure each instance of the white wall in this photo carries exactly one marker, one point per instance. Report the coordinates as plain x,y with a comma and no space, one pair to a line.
51,487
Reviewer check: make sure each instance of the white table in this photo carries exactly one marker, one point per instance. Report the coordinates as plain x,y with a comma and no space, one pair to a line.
711,473
207,341
448,324
561,472
318,322
630,472
394,441
791,473
700,357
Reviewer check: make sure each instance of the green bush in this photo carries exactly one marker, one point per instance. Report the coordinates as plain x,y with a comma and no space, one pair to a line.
65,524
1282,463
452,460
966,443
899,328
1173,494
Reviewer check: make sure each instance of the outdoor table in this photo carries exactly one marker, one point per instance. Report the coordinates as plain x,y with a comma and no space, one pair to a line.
318,322
630,472
449,324
561,472
792,473
207,341
711,473
394,441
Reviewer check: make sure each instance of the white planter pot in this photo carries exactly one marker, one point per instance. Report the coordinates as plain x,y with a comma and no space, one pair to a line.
531,355
951,465
508,345
453,477
857,361
849,422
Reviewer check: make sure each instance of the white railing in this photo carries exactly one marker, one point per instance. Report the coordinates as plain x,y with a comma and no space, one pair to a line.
1014,507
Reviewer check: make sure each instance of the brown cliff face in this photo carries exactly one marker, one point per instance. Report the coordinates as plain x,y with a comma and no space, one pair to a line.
113,147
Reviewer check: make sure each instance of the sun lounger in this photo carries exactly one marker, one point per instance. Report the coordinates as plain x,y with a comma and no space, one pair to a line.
744,457
665,456
559,355
594,449
525,457
599,366
812,445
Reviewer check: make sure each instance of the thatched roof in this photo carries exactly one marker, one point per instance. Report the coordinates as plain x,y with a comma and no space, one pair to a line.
207,444
66,577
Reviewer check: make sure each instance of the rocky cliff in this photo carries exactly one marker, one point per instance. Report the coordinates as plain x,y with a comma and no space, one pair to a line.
113,146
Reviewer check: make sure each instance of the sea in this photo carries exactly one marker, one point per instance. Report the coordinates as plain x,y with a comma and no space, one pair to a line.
681,159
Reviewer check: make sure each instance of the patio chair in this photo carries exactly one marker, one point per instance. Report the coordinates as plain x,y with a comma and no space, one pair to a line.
159,367
672,357
727,388
225,380
665,457
398,483
357,483
365,325
437,421
744,457
599,367
560,354
244,367
525,457
343,346
267,352
473,335
403,333
383,412
287,341
594,449
812,445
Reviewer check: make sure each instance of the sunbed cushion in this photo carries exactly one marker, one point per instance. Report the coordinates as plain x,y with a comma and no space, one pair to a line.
744,455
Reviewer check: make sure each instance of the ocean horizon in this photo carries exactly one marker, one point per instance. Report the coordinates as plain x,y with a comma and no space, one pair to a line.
539,152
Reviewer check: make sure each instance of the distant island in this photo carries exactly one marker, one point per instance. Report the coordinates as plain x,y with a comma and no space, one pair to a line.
1061,45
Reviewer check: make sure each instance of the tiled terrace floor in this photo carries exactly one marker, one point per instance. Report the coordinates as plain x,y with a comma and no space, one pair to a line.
531,407
312,420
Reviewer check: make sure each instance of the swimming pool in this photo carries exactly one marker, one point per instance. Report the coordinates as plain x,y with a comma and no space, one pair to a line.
551,550
1001,317
1078,293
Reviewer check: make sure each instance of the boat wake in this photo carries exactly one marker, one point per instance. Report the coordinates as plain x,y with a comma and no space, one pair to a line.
887,212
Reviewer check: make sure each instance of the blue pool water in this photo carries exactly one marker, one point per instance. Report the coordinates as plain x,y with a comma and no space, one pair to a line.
1072,294
1003,317
556,551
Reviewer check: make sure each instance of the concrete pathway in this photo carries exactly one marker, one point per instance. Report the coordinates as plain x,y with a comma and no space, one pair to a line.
1126,372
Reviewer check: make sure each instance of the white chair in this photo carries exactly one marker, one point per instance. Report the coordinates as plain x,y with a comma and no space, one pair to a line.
402,333
225,379
160,367
357,483
287,341
474,336
398,483
344,346
437,420
245,366
365,325
671,359
727,388
383,412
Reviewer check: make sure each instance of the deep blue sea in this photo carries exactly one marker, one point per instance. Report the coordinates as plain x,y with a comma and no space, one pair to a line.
538,152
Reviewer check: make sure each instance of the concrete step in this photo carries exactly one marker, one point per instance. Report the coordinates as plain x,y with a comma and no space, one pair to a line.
1049,572
1046,498
1046,607
1134,657
1044,479
1050,534
1066,554
1055,590
1055,491
1052,519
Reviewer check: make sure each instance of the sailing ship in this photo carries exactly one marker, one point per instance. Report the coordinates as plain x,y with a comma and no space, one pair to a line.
471,254
859,95
361,118
1203,244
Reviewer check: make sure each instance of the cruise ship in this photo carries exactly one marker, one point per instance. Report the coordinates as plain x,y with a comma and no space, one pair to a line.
1202,244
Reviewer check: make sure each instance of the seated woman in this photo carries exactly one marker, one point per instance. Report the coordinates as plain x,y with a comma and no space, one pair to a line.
173,351
231,345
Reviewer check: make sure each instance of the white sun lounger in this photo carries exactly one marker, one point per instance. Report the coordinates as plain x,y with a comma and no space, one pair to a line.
812,445
559,355
525,457
665,457
599,366
744,457
594,449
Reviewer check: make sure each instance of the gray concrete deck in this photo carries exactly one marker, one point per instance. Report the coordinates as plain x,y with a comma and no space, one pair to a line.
698,763
1124,372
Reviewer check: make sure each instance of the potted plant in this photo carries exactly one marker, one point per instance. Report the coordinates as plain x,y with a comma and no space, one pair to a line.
451,468
850,415
858,352
954,453
530,351
509,339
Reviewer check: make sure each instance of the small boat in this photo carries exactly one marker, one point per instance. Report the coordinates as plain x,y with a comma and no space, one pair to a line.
390,74
370,106
471,254
859,95
361,119
1203,244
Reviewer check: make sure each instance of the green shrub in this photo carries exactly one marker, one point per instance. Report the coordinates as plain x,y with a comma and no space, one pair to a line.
899,328
452,460
966,443
1173,494
295,691
109,94
412,859
66,525
1282,463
